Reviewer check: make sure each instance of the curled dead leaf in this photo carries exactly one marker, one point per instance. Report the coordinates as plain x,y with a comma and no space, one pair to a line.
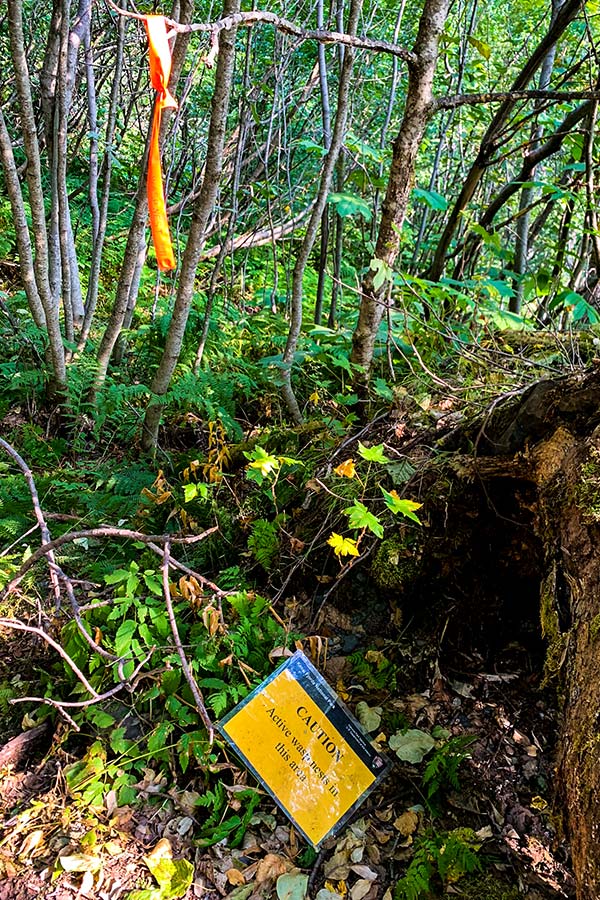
407,823
234,876
271,867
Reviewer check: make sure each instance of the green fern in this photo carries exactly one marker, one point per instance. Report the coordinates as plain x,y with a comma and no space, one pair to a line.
441,772
263,543
439,858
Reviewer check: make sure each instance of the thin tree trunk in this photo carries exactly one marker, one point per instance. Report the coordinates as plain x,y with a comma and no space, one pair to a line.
406,147
225,247
100,210
13,188
36,192
326,116
337,140
197,233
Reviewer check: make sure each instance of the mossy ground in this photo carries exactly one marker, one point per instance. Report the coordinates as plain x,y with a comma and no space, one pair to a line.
488,886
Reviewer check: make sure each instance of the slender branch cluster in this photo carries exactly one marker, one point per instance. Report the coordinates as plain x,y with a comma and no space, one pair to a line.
60,581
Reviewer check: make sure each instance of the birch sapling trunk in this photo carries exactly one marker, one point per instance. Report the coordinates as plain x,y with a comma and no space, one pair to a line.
406,147
197,233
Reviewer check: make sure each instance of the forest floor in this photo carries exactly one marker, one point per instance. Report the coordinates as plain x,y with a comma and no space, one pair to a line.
481,692
52,847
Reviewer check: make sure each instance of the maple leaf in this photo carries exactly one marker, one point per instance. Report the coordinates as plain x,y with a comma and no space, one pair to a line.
343,546
397,504
346,469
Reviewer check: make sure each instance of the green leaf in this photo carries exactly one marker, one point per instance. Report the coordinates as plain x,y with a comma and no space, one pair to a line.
153,583
264,462
347,204
382,389
158,739
292,886
480,46
124,636
190,492
431,198
100,718
398,505
373,454
412,746
383,273
117,576
360,518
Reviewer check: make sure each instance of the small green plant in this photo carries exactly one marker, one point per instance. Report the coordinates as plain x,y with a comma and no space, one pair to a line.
439,860
441,771
363,518
263,542
374,670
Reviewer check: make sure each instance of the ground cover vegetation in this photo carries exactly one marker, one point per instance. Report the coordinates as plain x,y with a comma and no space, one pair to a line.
359,418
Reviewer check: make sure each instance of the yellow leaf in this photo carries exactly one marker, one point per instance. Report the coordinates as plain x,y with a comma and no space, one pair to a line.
314,397
346,469
343,546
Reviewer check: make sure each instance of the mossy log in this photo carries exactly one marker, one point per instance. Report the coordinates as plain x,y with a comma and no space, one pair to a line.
533,463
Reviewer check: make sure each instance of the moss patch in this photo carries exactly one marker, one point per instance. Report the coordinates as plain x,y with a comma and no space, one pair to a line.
588,491
488,886
396,563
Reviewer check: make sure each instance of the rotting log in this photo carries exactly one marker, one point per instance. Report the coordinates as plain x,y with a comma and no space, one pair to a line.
18,750
545,443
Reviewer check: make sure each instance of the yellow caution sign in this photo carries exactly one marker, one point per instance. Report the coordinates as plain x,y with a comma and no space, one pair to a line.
305,748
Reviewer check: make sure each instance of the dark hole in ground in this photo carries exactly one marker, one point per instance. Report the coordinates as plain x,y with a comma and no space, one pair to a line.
487,569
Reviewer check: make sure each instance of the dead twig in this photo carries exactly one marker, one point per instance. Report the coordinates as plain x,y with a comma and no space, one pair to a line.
46,549
256,16
103,531
197,695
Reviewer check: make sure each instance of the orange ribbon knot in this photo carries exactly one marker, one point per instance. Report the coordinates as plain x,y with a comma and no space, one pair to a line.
160,71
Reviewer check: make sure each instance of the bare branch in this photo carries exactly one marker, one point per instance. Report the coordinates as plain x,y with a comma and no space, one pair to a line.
199,700
502,96
103,531
45,549
247,19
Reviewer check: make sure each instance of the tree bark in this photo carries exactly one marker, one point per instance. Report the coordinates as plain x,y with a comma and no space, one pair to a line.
544,445
406,147
197,233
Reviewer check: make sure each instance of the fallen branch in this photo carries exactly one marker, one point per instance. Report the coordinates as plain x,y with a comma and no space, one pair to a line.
251,239
196,693
103,531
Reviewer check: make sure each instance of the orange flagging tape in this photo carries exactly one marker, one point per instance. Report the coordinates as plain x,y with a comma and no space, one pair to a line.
160,70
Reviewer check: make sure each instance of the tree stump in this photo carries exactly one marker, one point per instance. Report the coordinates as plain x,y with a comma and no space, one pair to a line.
534,461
